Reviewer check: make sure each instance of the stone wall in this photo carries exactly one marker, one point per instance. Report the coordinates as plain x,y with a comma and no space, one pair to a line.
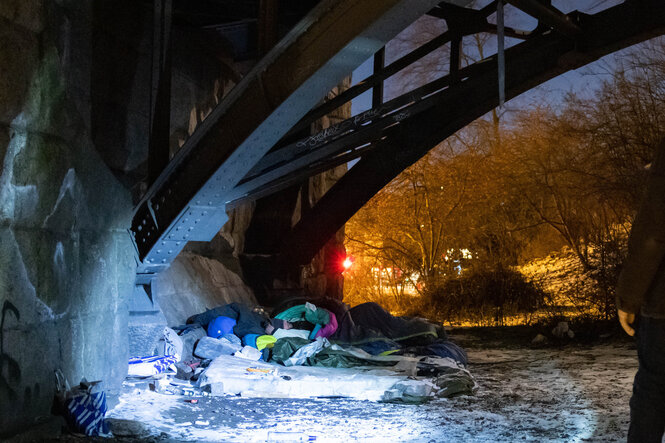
74,124
66,260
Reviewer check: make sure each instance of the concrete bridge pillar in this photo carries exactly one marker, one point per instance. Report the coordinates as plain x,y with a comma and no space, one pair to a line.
66,261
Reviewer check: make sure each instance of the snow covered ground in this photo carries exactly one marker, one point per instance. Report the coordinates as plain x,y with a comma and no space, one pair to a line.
574,393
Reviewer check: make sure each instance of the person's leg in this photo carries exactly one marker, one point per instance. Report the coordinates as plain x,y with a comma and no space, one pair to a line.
647,405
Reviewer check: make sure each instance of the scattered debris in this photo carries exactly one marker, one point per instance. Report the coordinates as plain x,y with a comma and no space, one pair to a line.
209,348
530,394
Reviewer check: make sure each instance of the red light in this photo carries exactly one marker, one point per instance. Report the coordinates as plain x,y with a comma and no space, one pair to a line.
346,264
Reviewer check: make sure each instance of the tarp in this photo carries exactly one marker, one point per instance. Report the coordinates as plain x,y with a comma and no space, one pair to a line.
369,322
335,306
310,350
342,358
286,347
379,347
371,328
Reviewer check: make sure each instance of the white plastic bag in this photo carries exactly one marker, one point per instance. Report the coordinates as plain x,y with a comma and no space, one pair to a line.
249,353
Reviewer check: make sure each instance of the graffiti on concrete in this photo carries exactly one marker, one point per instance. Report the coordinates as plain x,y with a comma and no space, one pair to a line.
10,371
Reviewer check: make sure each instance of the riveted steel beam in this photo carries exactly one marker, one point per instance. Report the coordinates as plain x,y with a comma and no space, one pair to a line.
371,81
528,64
187,200
549,16
343,141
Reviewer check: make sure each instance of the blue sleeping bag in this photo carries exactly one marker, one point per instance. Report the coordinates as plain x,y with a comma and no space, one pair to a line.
447,349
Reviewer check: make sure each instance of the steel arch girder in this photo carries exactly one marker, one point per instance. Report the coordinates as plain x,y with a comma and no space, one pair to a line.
527,65
187,201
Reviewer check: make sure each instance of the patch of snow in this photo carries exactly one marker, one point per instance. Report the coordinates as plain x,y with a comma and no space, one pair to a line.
544,395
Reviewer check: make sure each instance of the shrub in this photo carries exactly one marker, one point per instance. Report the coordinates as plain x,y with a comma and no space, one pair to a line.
487,297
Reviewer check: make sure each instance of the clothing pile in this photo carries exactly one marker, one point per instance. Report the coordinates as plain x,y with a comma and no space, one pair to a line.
361,352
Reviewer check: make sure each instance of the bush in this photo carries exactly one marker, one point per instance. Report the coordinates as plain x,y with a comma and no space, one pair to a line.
487,297
587,327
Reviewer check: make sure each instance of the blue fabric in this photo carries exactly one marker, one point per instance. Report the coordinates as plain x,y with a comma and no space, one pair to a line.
247,321
647,405
221,326
232,338
448,349
250,340
316,329
160,362
85,413
440,348
378,346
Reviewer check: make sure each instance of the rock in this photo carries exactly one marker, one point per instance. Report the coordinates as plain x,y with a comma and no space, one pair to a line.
128,428
570,333
146,323
211,348
560,330
192,284
185,372
189,339
539,339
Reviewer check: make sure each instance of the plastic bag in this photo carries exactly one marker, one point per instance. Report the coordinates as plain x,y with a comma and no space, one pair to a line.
169,344
152,365
83,406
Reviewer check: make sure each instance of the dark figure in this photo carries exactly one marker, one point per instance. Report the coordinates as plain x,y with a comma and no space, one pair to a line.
641,291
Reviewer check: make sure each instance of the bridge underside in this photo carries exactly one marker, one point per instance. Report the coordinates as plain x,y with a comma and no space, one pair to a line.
252,146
